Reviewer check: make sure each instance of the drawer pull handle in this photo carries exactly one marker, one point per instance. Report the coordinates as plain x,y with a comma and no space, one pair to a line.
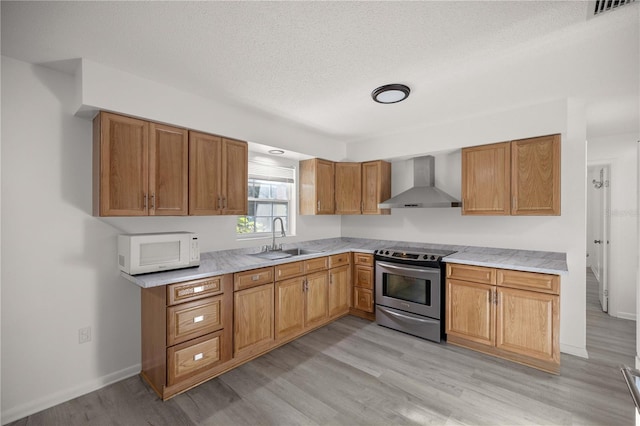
255,278
198,318
198,357
198,289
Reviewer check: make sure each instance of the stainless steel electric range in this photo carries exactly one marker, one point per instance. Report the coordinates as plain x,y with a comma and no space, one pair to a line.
409,285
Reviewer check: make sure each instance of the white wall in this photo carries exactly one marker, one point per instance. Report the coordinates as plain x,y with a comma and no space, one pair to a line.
58,265
106,88
565,233
620,152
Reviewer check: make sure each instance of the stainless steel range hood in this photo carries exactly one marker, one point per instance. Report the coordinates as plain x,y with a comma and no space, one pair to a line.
423,194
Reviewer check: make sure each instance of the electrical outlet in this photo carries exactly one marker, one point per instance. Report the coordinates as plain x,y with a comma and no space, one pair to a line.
84,335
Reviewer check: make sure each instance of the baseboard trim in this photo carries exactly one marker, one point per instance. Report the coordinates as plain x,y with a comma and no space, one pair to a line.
574,350
626,316
65,395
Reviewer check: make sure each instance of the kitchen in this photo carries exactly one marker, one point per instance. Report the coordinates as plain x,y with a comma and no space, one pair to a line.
76,282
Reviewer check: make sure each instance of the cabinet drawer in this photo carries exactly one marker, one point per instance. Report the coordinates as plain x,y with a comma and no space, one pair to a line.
363,299
363,277
194,319
315,265
339,260
476,274
363,259
193,357
288,270
544,283
193,290
253,278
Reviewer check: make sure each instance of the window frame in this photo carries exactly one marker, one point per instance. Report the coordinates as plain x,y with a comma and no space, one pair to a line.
290,219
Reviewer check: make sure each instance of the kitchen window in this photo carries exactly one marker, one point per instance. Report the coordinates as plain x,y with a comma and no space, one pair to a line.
271,194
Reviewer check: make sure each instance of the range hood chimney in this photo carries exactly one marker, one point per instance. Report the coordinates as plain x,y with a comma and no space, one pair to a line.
423,194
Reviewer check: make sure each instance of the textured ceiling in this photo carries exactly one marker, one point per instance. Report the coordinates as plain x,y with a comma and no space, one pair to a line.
314,63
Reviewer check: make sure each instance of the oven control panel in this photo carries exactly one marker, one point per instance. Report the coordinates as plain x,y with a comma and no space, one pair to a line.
412,254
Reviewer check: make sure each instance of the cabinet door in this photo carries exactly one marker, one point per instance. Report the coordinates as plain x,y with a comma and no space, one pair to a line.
339,291
376,186
470,311
363,299
348,186
253,319
121,168
235,177
168,170
205,152
316,187
363,276
289,307
486,184
316,299
535,176
528,324
325,189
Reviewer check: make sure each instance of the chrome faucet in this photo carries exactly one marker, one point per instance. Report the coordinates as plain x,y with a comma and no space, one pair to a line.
273,233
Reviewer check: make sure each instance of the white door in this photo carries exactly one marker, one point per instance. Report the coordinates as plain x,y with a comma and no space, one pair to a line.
599,218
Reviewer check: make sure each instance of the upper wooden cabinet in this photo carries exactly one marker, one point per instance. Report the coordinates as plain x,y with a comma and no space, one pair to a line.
486,184
357,188
143,168
376,186
520,177
168,170
348,186
218,175
535,176
317,187
140,168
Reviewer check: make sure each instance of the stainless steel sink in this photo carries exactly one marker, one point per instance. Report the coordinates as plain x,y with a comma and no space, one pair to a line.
283,254
300,252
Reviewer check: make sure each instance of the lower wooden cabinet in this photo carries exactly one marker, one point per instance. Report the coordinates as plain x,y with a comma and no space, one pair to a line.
470,312
316,299
289,307
527,324
510,314
302,303
191,358
253,319
363,276
186,333
339,285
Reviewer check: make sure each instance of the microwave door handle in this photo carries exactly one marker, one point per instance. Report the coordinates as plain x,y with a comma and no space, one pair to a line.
400,268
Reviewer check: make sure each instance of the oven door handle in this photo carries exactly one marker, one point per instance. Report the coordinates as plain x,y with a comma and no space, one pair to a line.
397,315
401,268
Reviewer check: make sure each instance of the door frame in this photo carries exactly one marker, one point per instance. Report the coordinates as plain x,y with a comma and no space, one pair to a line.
605,217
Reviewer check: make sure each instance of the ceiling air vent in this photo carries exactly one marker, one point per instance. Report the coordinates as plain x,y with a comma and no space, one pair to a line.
607,5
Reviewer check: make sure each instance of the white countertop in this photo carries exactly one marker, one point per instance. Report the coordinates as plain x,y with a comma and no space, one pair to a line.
230,261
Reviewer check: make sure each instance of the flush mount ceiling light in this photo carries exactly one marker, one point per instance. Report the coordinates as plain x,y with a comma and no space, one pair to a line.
276,151
390,93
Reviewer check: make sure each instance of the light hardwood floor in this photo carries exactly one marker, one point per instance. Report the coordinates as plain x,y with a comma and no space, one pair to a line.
353,372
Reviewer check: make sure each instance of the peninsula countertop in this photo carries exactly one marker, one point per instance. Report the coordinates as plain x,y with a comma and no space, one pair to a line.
236,260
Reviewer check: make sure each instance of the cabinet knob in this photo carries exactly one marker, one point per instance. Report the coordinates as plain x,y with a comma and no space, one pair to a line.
597,241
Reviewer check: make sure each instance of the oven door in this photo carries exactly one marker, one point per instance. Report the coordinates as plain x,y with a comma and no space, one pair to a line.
408,288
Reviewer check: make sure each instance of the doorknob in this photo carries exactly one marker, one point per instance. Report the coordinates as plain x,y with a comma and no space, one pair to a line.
597,241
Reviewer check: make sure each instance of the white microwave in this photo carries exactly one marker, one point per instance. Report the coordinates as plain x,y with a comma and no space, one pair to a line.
143,253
